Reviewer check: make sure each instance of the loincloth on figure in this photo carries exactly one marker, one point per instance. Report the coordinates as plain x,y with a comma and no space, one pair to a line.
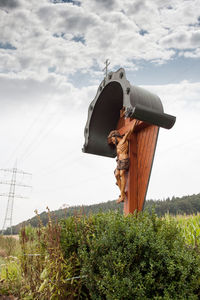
123,164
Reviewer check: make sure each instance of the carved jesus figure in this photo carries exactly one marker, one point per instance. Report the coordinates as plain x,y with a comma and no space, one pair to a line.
122,146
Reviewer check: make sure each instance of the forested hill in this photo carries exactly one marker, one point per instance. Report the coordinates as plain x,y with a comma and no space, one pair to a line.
184,205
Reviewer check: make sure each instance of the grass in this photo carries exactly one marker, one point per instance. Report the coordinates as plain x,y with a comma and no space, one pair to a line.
190,228
10,273
2,262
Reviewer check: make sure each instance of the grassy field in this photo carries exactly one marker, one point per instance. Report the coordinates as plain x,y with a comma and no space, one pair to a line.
190,228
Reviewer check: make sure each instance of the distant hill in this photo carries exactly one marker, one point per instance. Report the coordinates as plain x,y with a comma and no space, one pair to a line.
66,212
175,205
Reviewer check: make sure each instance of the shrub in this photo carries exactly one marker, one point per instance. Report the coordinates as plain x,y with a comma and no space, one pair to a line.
9,245
134,257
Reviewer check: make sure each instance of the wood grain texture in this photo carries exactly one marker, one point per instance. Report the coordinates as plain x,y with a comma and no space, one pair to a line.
145,160
141,152
131,203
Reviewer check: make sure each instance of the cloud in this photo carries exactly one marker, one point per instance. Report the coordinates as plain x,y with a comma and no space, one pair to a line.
65,38
191,54
178,97
195,39
101,6
182,40
68,18
11,4
17,92
66,1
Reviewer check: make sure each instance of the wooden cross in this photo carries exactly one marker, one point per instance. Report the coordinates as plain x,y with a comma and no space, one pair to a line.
134,137
107,62
142,145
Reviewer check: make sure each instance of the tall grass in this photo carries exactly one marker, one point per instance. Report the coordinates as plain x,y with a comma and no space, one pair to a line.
190,228
10,271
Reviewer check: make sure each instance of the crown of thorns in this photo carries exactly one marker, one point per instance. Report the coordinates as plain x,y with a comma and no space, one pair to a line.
114,133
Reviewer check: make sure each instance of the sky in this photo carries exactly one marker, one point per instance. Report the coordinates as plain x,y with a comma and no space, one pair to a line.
52,53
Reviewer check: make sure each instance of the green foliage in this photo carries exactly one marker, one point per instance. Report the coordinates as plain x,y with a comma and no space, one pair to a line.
190,229
31,260
141,257
106,256
43,266
10,276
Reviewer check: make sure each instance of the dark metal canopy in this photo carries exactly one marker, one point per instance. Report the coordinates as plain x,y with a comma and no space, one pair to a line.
114,93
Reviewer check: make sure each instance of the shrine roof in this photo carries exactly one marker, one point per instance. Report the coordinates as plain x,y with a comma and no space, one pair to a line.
114,93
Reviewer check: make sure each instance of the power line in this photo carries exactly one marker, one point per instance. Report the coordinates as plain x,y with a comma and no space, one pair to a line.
18,171
84,180
28,130
68,161
38,140
11,195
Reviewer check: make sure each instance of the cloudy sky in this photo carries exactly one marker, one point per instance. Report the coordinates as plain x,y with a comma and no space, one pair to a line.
52,53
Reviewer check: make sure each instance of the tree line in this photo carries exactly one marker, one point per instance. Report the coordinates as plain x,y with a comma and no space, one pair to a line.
174,206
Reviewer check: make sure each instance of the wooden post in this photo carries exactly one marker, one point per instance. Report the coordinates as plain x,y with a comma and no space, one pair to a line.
142,146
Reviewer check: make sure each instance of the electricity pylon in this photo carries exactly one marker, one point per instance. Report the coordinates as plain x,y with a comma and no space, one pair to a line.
11,195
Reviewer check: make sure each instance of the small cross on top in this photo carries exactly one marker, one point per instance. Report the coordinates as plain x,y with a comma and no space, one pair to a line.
107,62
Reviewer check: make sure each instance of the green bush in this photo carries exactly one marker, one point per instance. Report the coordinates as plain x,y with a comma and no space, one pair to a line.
134,257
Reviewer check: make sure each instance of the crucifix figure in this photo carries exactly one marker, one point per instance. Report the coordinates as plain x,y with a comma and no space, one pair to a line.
122,147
